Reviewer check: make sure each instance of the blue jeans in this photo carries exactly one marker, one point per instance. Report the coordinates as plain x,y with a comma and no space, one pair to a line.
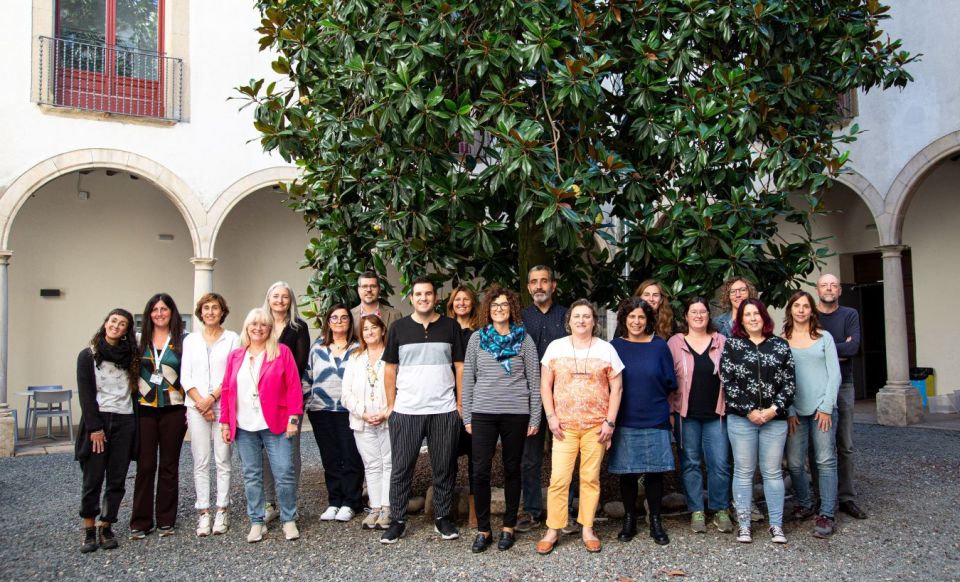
280,454
843,420
705,441
825,455
753,444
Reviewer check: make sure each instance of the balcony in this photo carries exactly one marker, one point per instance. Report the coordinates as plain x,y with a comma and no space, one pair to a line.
109,79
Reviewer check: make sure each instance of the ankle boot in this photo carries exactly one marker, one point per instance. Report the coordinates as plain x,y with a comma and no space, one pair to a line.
108,541
89,540
472,517
657,532
629,527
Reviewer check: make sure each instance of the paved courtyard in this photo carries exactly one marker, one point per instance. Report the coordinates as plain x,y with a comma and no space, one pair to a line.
908,480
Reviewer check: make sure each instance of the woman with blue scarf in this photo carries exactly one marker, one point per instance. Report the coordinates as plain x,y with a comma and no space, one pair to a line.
501,400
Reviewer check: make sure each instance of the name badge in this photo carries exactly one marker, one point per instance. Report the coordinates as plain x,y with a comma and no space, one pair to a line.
156,378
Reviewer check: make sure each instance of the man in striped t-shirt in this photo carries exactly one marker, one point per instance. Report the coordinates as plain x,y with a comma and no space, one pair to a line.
422,379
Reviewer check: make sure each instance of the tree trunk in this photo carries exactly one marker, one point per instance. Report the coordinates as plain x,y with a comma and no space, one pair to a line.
532,252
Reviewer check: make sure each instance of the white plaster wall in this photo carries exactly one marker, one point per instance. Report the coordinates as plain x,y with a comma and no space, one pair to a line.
102,253
931,231
901,123
209,152
261,242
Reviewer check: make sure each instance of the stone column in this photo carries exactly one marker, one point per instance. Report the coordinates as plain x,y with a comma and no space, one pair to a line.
7,424
898,402
202,282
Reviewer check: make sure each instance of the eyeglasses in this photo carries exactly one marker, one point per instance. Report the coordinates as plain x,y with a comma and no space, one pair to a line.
340,319
369,287
739,291
499,306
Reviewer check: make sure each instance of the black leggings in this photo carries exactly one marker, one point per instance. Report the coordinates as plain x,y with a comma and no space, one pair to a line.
652,484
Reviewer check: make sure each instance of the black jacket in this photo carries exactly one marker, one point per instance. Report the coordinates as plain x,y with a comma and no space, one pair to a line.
90,420
757,376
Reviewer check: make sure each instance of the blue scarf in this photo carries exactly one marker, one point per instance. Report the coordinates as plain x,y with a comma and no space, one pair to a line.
502,347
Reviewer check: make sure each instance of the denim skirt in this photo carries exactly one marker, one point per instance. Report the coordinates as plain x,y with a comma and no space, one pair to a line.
640,450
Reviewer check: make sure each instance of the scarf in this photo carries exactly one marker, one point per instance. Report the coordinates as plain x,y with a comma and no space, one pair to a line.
119,354
502,347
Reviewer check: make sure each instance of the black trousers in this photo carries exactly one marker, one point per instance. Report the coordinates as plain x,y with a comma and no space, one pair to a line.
342,465
111,466
511,430
407,431
161,436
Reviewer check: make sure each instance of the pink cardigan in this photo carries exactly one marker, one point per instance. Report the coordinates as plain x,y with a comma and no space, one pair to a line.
683,366
280,393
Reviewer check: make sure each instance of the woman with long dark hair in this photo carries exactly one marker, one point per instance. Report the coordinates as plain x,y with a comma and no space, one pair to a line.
812,414
162,420
342,465
758,377
107,373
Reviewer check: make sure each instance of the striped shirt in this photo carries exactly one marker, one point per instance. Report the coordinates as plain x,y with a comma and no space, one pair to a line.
488,389
324,378
426,383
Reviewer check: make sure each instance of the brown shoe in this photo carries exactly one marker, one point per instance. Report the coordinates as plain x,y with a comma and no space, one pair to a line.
544,547
593,546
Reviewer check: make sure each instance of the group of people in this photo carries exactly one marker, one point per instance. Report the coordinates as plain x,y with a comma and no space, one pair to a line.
375,386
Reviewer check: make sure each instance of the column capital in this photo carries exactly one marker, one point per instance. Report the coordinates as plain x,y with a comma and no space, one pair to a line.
5,256
890,251
203,263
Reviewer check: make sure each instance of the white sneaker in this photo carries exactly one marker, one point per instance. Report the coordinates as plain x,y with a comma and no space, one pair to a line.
776,535
203,525
370,521
344,514
257,532
330,514
290,531
270,513
221,522
383,521
744,536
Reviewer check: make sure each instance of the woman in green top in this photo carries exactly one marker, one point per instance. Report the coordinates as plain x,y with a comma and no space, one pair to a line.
161,419
811,417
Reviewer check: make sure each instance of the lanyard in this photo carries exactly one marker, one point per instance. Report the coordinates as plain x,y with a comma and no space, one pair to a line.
157,357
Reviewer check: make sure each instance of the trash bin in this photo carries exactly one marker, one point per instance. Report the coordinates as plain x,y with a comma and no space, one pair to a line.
925,381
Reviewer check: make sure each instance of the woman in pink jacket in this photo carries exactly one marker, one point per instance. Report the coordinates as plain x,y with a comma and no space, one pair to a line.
699,404
261,403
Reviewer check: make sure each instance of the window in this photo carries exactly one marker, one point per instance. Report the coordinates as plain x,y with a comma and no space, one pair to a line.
108,56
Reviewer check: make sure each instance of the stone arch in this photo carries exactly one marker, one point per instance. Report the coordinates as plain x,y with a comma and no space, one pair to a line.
905,185
870,196
175,189
239,190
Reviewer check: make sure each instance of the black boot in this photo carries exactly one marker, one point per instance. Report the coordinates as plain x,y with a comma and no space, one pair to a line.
657,532
629,527
108,541
89,540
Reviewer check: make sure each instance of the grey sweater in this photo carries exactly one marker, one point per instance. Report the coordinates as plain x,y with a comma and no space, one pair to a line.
488,389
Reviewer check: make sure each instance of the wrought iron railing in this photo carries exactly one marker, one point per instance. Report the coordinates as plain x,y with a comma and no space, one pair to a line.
97,77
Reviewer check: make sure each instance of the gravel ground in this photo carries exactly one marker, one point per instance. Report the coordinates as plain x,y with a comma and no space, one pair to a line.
907,479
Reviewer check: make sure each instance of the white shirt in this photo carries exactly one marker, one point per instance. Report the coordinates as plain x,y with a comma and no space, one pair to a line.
360,395
203,367
249,410
113,391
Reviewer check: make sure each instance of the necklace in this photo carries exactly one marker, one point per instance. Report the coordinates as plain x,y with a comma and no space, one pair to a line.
586,359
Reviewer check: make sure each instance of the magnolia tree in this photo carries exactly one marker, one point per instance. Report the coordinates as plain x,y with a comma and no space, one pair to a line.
613,140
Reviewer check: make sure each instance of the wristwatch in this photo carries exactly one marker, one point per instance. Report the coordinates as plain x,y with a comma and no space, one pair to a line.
295,421
610,424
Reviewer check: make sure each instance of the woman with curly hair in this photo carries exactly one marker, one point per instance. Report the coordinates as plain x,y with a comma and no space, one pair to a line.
107,374
655,294
501,401
732,293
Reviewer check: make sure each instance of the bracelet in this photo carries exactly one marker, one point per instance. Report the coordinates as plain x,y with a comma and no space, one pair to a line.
549,416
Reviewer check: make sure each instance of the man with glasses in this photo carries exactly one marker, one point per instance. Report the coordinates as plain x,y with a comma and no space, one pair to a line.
544,321
423,379
368,288
843,323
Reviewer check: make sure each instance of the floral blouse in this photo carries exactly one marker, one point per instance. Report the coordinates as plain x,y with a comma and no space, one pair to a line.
757,376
